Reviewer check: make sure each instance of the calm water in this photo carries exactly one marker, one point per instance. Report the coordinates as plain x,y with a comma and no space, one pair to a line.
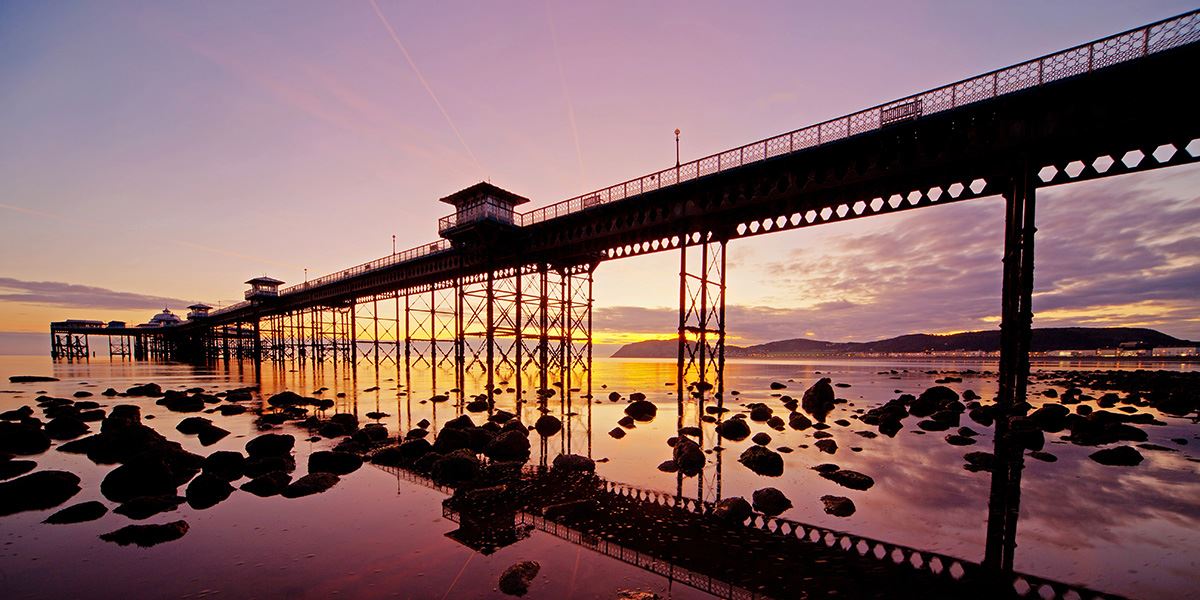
1131,530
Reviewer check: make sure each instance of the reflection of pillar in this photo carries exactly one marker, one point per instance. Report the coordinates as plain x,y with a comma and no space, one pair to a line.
701,342
1015,334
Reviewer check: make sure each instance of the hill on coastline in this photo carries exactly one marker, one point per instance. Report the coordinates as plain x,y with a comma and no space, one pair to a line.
1044,339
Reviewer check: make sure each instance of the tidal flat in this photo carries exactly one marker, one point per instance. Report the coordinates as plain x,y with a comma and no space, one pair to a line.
357,516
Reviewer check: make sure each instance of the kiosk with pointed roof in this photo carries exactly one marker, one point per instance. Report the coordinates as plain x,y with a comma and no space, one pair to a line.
198,310
262,288
480,210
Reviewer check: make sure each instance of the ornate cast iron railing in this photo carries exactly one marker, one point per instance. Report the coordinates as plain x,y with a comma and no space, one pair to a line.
1136,43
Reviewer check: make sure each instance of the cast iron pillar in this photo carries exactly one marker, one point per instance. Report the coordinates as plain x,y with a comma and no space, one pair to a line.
701,352
1016,320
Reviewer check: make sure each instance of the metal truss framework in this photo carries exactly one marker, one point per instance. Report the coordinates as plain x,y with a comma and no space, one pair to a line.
701,355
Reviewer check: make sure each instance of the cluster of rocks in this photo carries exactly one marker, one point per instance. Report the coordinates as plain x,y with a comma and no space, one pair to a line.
453,457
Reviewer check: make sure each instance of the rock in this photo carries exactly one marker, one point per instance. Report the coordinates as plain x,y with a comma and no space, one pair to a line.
931,425
799,422
938,397
838,506
270,484
516,579
147,535
270,444
1051,418
12,468
78,513
313,483
1120,456
31,379
826,446
760,413
734,510
147,475
404,454
668,466
547,425
641,410
509,445
37,491
775,385
1043,456
695,432
637,595
761,438
144,507
206,491
450,439
370,435
23,438
149,389
849,479
959,440
979,461
338,463
617,433
456,467
228,410
734,429
256,467
826,468
574,463
770,501
227,465
193,425
818,399
66,427
762,461
688,456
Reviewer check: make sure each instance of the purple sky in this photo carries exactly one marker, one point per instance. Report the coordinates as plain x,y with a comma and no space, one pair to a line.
162,153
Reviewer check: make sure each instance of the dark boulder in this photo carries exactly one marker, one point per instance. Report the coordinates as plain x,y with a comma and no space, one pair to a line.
256,467
147,475
734,429
78,513
818,399
641,410
313,483
770,501
270,484
1120,456
734,510
450,439
66,427
206,491
456,467
12,468
510,445
799,422
838,506
147,535
404,454
144,507
849,479
761,438
979,461
688,456
826,446
226,464
270,444
762,461
547,425
955,439
574,463
37,491
759,413
22,438
516,579
31,379
338,463
617,433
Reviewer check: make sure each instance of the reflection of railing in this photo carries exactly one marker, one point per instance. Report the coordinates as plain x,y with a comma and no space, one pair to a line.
1163,35
922,560
666,568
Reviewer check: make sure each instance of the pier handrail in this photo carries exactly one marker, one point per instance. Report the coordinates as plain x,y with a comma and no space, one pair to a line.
1135,43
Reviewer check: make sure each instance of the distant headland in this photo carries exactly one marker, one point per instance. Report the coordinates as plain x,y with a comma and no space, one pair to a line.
1065,342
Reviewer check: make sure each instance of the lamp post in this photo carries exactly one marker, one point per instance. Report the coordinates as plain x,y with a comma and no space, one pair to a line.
676,147
393,243
305,274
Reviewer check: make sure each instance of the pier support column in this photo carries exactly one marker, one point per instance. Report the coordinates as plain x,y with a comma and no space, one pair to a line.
1016,320
701,352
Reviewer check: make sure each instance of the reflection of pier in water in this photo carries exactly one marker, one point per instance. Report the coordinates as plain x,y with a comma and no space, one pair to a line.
680,539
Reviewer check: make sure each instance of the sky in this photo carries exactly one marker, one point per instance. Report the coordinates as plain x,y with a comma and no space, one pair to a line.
159,154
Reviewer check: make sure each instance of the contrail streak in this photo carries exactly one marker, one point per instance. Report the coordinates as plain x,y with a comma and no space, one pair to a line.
30,211
562,78
408,57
